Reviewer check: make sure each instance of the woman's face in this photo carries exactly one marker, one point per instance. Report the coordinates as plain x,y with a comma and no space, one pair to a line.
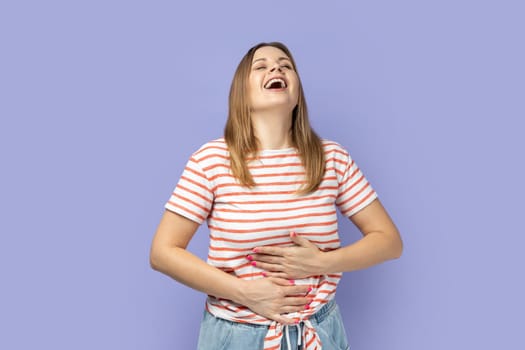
273,81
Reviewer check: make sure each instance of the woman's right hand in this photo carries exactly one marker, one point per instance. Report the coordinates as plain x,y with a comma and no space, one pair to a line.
274,297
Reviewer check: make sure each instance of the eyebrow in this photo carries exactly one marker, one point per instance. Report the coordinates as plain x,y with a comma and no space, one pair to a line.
279,59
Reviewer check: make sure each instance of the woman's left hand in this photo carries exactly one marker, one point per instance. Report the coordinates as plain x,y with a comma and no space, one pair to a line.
296,262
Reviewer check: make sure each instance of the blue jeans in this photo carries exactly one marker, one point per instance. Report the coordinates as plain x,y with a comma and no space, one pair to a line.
219,334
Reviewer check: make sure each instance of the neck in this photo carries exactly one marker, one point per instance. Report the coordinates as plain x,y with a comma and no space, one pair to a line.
272,128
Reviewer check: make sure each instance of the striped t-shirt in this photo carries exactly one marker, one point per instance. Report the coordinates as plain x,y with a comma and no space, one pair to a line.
240,218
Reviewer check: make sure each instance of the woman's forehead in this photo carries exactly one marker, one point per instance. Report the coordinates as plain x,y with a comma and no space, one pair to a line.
269,52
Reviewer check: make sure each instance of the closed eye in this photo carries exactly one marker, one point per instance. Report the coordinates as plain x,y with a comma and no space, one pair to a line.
260,67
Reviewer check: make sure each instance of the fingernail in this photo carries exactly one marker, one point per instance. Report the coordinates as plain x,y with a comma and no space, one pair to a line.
293,234
309,289
264,274
297,321
307,306
291,281
255,250
254,263
249,257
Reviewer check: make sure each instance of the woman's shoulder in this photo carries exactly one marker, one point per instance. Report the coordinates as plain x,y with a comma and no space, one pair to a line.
216,147
331,147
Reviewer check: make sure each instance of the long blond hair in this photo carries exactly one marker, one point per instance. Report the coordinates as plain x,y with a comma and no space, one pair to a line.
239,134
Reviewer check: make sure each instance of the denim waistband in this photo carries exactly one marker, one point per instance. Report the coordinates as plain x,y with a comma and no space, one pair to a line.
299,328
323,312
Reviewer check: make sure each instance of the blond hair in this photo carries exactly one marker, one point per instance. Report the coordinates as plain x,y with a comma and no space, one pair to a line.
239,134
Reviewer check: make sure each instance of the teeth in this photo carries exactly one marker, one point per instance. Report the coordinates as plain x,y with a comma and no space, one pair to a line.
275,80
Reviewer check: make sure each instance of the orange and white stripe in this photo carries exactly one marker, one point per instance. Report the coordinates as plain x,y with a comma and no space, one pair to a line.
241,218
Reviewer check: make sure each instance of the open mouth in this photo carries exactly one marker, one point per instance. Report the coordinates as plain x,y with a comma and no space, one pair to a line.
275,84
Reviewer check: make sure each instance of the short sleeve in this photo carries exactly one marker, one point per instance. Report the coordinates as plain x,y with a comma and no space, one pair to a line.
354,191
193,195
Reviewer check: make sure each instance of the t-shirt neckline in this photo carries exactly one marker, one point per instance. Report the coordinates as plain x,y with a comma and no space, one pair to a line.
278,150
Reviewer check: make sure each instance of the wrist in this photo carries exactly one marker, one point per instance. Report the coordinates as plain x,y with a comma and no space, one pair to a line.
239,291
324,263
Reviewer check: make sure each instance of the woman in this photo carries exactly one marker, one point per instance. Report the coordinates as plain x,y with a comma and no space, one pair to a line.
269,191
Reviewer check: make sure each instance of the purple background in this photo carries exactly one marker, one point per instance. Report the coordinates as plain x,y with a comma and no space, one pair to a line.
102,102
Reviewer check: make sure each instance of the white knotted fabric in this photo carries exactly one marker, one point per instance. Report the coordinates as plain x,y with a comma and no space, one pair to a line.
306,335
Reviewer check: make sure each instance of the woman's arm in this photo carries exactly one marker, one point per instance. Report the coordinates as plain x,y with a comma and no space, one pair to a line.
269,297
380,242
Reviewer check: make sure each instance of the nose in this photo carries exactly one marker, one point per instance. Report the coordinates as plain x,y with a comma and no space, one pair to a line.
276,66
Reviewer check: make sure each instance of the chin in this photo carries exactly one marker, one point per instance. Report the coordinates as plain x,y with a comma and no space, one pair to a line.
278,103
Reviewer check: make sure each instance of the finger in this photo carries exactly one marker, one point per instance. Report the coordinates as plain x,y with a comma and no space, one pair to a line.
289,309
278,251
267,266
303,242
299,295
297,301
297,289
282,281
282,275
272,259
